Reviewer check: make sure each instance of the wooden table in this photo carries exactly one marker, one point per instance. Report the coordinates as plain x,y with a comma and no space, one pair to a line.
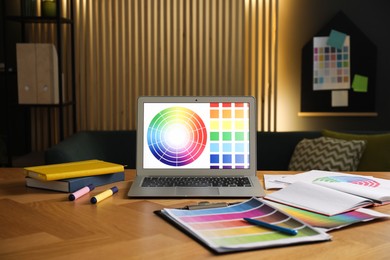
39,224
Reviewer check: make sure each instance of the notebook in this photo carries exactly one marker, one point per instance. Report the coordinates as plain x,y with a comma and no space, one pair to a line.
196,147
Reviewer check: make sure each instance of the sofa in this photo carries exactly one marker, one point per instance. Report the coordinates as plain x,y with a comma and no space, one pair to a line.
112,146
274,149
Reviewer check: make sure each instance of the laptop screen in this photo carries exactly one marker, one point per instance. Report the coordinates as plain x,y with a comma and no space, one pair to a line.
197,133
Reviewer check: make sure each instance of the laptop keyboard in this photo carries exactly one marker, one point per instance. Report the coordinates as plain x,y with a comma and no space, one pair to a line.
231,181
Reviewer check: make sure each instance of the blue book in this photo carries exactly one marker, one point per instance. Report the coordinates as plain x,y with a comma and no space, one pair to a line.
74,184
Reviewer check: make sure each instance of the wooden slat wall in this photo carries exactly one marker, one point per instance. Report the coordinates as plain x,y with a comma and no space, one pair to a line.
128,48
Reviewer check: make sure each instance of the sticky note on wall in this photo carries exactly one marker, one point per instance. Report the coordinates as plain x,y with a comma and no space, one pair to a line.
340,98
336,39
360,83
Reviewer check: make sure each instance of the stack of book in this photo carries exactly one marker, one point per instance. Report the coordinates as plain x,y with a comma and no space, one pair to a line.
70,177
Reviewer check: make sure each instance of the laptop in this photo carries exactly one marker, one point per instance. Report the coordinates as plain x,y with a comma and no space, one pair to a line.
196,147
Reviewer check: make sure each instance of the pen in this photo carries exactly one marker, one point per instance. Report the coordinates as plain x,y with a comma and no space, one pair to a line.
256,222
104,195
81,192
208,205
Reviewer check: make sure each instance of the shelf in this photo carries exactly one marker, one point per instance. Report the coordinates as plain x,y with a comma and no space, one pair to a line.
337,114
63,112
38,19
69,103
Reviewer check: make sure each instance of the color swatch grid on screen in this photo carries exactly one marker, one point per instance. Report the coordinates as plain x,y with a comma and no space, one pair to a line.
225,227
177,136
229,135
331,66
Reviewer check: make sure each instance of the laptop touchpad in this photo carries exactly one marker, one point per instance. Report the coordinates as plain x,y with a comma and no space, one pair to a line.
185,191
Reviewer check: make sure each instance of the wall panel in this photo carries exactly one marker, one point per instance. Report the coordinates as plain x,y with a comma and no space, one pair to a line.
125,49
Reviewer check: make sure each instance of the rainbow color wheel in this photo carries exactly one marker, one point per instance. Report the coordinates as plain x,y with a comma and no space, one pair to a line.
177,136
350,179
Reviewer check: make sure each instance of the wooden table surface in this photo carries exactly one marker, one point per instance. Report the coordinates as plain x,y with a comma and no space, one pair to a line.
40,224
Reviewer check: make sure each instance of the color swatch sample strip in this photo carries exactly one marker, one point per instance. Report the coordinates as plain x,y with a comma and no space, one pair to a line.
225,227
330,222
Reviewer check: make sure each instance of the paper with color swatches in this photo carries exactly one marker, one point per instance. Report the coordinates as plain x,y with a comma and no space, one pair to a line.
223,229
329,223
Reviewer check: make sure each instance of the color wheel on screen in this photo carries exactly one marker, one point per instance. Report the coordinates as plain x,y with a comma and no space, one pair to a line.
177,136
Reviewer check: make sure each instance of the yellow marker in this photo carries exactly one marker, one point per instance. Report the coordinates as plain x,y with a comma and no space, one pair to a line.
104,195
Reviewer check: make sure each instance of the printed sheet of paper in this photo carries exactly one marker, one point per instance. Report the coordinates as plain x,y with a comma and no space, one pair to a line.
331,65
365,186
274,181
311,197
224,230
329,223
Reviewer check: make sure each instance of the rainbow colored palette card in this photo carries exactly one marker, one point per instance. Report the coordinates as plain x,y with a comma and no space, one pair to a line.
329,223
223,230
179,138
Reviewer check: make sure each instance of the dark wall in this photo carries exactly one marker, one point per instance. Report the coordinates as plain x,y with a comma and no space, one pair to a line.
1,31
300,20
14,119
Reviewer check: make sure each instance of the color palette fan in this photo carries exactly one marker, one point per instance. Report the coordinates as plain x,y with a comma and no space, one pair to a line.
224,230
330,222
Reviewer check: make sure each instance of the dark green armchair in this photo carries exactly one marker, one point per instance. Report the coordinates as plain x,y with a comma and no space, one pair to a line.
112,146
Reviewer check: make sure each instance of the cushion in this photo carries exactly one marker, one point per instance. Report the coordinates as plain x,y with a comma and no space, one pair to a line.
376,156
328,154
